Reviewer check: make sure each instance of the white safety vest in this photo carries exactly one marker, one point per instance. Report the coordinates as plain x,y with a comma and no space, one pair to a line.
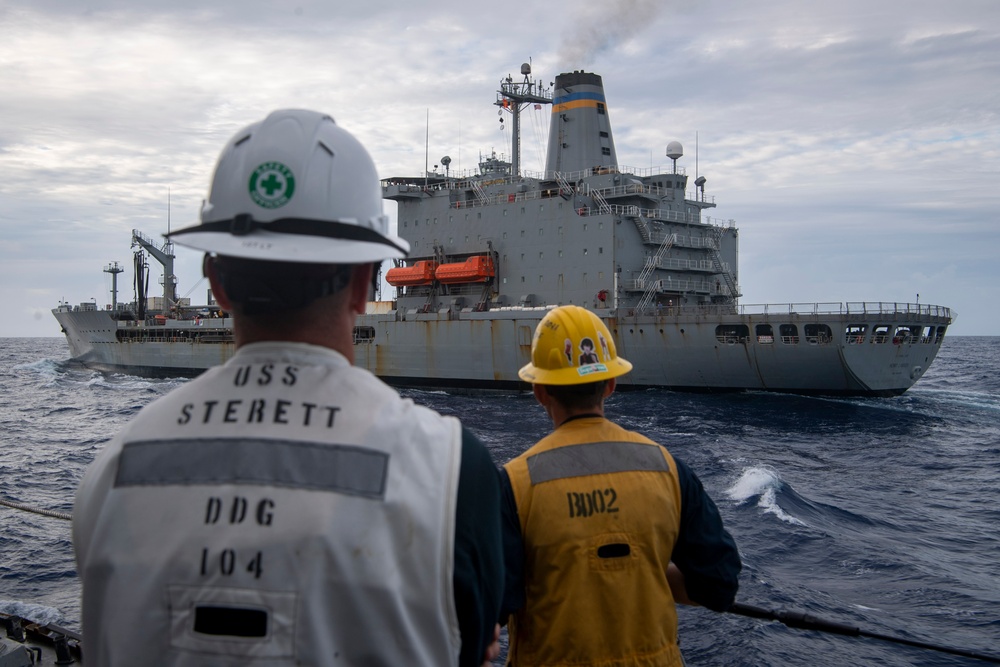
286,508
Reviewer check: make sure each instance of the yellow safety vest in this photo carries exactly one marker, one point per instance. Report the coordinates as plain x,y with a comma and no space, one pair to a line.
599,508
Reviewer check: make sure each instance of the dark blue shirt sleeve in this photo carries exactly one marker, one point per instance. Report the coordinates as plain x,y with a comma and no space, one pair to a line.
513,551
705,552
479,573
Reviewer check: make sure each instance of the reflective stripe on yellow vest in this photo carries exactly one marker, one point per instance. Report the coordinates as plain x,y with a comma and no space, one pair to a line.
599,508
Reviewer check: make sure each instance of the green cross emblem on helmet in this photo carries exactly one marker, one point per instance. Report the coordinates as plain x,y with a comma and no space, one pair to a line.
272,185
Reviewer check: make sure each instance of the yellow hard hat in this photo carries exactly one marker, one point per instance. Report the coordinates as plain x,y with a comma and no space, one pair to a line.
572,346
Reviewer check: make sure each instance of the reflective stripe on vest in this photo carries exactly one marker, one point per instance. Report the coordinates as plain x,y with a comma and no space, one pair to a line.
595,458
291,463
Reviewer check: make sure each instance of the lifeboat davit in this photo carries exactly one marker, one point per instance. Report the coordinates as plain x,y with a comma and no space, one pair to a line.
476,269
421,273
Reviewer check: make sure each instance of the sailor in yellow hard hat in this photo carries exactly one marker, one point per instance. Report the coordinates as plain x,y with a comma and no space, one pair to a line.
604,529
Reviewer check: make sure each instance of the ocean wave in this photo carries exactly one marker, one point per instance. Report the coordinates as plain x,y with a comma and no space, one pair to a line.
763,483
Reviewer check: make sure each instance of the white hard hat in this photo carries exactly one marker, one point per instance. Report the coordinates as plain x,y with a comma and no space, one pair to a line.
295,187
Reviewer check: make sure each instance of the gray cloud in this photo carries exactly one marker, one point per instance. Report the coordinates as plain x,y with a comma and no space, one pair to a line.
855,143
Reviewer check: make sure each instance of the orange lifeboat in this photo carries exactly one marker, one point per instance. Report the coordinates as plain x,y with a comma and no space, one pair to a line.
421,273
476,269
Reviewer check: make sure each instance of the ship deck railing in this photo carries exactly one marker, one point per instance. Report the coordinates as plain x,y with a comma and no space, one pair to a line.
460,179
667,285
861,309
414,186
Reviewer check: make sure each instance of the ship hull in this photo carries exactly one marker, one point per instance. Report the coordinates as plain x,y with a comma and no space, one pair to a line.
485,350
182,349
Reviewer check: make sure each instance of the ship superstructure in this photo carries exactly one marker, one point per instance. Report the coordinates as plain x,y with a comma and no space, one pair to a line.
585,231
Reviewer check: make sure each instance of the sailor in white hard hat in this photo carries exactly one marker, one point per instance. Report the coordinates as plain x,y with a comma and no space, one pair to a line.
287,507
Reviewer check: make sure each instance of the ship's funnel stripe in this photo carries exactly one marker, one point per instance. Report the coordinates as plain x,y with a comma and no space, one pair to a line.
346,469
595,458
579,104
573,97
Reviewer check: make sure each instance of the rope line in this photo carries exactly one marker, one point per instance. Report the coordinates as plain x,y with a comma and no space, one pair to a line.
36,510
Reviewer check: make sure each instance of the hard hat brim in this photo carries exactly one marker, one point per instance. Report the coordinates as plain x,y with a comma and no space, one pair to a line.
270,246
575,374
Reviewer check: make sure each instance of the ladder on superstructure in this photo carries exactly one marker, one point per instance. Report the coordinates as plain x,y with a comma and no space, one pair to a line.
651,263
602,204
720,267
565,189
477,189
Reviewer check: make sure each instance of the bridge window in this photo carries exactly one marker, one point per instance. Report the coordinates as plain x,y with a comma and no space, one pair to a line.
855,334
789,334
880,334
732,334
818,334
364,335
905,334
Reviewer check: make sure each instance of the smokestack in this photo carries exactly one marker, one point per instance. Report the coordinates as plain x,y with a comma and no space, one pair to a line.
580,132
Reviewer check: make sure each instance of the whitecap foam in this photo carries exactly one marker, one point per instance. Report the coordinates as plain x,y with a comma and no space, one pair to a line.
763,483
754,481
36,613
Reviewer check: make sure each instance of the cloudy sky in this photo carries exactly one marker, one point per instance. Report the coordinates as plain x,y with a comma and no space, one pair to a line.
855,143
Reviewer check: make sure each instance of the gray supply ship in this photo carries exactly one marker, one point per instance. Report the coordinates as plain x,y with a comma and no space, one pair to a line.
493,251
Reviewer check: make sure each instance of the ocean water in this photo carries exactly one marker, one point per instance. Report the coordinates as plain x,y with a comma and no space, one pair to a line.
877,513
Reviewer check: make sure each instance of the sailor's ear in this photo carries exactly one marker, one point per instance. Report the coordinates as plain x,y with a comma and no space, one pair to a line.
358,288
210,269
609,387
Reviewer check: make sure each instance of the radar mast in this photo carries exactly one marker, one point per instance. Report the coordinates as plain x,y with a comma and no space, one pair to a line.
512,97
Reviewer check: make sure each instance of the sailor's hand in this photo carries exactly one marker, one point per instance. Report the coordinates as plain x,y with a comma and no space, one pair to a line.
493,650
